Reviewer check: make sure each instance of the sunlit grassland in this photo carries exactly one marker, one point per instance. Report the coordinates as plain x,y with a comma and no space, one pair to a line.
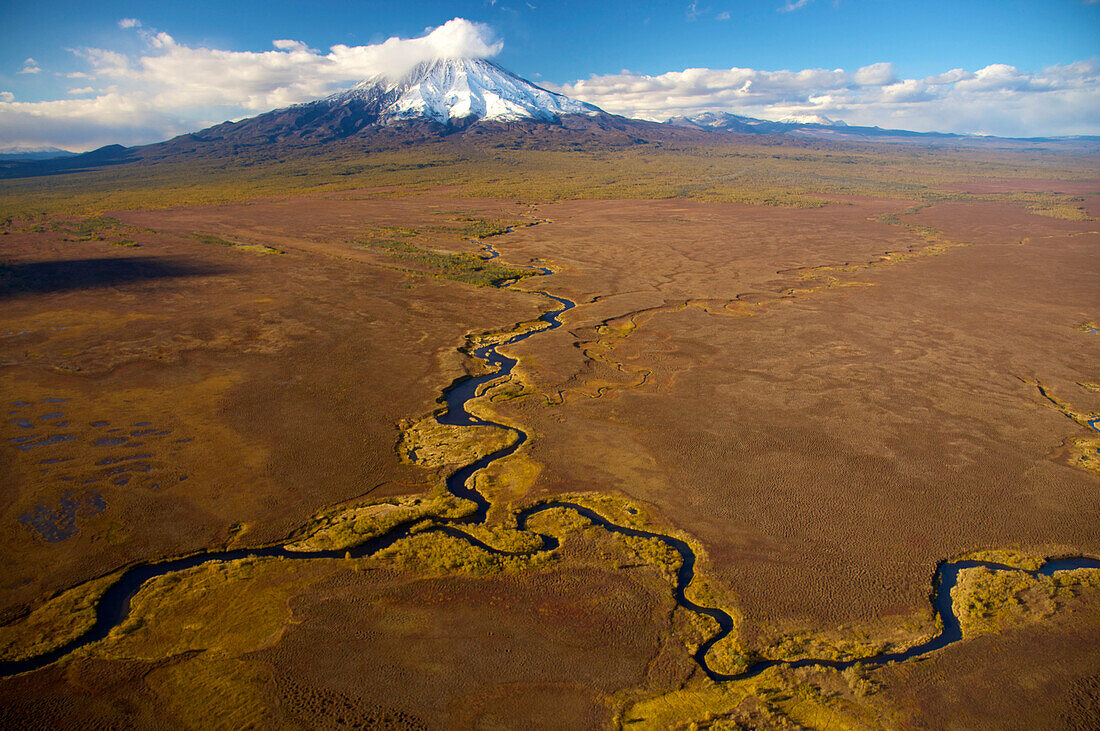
61,619
786,175
219,241
991,601
458,266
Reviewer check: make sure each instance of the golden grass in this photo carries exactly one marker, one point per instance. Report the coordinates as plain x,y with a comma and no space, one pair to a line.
237,245
559,522
230,607
728,656
509,480
1014,559
54,623
459,267
210,691
1084,453
432,553
1066,211
497,337
429,444
774,699
347,527
988,601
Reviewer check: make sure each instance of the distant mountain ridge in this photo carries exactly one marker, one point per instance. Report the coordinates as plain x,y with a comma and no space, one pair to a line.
805,124
818,127
33,153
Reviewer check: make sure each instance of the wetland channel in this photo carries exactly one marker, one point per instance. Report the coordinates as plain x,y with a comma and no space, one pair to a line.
114,605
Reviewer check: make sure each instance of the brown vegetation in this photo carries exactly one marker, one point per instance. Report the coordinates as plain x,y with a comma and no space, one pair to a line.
824,396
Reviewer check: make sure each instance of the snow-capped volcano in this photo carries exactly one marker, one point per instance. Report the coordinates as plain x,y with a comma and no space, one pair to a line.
445,94
459,90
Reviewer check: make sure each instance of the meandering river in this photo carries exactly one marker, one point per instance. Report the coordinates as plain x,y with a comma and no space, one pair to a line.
115,604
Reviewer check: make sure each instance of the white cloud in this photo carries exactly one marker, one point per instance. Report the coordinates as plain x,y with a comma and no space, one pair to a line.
694,12
794,5
6,96
877,74
289,45
1000,77
949,77
80,91
998,98
129,23
172,88
30,66
80,124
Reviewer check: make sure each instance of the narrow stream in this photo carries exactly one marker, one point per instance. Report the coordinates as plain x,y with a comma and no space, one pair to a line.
115,604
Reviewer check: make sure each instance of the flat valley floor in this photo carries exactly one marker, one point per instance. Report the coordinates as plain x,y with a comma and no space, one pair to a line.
824,403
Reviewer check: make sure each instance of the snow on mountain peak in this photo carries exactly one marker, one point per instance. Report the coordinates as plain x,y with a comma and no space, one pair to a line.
810,119
447,90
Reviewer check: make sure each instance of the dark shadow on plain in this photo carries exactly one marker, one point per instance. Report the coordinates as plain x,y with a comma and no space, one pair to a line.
64,275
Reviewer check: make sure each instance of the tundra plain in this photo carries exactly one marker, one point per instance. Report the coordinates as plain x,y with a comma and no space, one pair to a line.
827,370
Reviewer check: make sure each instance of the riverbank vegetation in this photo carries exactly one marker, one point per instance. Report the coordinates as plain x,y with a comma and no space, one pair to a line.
429,444
778,698
230,607
399,244
1077,451
988,601
345,528
55,623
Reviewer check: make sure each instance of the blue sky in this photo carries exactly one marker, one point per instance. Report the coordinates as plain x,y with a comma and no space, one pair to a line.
561,43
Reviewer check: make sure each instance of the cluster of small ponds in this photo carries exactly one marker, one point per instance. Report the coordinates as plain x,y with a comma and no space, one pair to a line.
17,333
84,460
